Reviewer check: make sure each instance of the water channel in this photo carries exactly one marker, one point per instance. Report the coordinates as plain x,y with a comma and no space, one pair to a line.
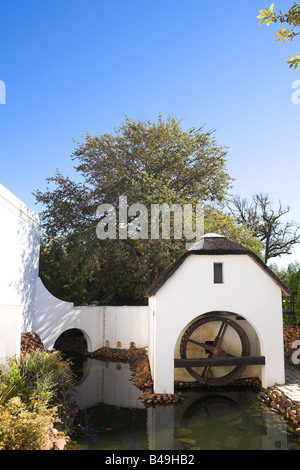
112,417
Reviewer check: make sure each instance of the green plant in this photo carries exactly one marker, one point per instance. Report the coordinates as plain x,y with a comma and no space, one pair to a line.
6,393
44,375
32,388
22,428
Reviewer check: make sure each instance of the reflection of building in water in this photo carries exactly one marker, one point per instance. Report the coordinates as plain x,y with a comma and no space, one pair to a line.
231,420
107,383
225,421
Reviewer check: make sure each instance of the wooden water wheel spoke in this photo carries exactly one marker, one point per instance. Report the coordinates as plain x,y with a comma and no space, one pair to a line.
217,354
216,345
210,347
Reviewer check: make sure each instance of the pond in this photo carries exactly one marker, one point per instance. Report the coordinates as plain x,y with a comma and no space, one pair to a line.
112,417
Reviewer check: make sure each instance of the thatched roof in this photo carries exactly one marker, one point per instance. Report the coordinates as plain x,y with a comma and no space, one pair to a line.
213,244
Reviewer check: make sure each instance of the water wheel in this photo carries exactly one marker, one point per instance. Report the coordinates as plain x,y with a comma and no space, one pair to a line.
200,357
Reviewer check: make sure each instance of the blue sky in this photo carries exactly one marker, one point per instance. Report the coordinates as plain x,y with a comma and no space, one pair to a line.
76,65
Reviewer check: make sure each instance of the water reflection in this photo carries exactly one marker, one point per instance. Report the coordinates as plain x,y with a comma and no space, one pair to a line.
112,417
109,383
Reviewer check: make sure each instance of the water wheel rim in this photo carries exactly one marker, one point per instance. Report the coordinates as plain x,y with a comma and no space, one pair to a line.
233,374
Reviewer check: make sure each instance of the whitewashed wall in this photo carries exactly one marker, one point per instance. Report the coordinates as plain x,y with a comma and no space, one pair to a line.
19,255
52,317
190,292
25,304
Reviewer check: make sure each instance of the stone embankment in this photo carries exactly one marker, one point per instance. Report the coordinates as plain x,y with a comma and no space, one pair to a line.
30,342
282,405
275,398
291,333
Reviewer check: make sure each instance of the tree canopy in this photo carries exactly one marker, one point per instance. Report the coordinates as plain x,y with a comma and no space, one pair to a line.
149,163
266,224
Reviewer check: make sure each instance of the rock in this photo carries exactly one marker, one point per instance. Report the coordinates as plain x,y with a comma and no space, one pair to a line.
59,444
281,410
30,342
290,334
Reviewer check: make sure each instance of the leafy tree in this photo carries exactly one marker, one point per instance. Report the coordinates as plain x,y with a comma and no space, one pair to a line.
284,274
149,163
291,19
265,224
66,269
294,280
294,284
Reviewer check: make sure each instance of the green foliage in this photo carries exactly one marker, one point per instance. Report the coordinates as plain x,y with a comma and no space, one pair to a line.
6,393
66,268
284,274
294,284
294,281
31,392
44,375
15,380
267,15
225,224
297,306
290,276
22,428
294,62
292,19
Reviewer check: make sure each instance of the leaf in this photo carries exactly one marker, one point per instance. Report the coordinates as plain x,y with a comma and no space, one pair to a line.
267,15
262,14
294,62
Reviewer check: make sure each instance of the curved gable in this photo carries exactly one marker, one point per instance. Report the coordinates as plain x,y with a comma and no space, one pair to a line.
213,244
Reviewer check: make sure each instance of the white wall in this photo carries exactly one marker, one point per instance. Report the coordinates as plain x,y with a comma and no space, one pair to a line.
19,254
10,331
25,304
99,324
23,308
190,292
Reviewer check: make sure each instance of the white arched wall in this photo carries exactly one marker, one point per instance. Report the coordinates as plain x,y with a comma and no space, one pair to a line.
125,324
85,335
190,293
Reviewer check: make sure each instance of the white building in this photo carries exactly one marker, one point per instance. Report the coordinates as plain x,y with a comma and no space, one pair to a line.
216,278
19,256
218,305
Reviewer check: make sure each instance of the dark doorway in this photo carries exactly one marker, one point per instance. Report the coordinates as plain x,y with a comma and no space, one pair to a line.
71,342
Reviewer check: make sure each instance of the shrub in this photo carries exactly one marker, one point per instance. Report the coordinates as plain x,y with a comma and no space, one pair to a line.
45,375
21,428
31,391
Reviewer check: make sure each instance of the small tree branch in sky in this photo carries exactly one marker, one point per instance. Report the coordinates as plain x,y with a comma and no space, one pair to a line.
266,224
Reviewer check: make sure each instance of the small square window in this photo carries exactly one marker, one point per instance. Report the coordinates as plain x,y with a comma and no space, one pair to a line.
218,273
